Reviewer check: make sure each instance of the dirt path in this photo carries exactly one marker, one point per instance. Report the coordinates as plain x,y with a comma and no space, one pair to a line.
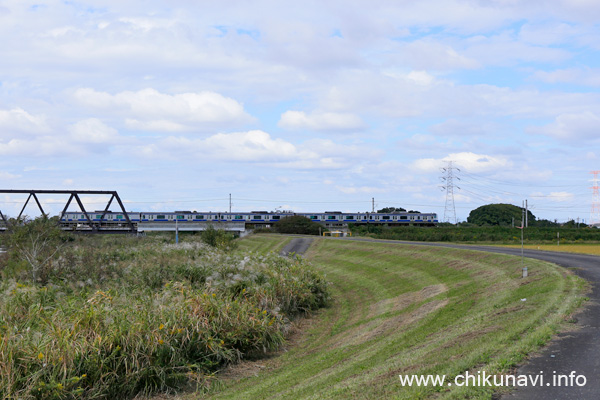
298,245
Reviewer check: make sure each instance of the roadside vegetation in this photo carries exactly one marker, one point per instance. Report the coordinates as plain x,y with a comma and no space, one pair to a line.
479,234
492,223
112,316
407,309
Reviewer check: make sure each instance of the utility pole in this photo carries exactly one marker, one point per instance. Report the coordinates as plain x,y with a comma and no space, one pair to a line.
373,204
229,203
523,267
526,216
448,178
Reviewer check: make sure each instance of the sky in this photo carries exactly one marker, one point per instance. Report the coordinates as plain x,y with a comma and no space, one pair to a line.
304,106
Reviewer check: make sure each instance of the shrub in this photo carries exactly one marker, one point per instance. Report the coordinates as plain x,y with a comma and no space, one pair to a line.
218,238
34,245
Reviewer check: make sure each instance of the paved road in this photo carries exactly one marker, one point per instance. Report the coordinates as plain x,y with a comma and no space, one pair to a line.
577,351
298,245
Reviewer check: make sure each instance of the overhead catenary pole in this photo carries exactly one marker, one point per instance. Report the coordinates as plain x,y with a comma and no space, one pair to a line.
229,203
373,204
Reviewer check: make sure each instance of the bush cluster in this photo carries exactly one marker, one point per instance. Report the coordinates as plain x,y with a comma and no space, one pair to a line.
125,316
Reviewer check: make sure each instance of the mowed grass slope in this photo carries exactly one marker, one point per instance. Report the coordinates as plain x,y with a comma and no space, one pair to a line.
402,309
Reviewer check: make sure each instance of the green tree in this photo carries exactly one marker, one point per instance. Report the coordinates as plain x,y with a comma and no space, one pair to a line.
499,214
387,210
297,224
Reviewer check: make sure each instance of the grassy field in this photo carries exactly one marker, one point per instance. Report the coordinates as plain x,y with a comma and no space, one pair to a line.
402,309
593,249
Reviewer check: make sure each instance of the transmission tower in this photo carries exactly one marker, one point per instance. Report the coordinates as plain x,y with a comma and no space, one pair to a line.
448,178
595,213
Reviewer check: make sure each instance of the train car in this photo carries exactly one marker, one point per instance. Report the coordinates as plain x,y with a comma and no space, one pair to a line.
109,219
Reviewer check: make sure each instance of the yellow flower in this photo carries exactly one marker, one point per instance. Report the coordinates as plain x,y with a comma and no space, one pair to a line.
161,327
214,295
41,356
222,343
160,341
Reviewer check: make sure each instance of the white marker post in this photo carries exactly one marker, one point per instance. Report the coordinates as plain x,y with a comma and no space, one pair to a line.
522,227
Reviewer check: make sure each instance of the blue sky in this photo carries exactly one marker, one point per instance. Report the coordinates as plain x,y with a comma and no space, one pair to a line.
309,106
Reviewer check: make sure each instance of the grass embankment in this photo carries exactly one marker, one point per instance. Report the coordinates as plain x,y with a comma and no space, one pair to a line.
121,316
402,309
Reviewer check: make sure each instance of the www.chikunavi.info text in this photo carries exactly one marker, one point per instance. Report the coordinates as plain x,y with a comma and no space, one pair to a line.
482,378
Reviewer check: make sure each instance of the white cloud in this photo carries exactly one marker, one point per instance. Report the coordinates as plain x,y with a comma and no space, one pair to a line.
20,121
150,109
321,121
427,54
8,175
93,131
571,126
580,76
361,189
469,161
258,147
561,197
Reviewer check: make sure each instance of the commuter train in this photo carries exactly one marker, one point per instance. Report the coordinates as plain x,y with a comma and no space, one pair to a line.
109,219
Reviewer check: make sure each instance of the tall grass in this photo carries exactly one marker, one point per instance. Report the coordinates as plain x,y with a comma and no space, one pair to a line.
130,316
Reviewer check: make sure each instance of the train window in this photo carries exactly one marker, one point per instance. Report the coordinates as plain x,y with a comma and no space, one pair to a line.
331,217
239,217
403,217
180,217
314,217
385,217
349,216
199,216
119,217
160,217
256,217
98,216
275,217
